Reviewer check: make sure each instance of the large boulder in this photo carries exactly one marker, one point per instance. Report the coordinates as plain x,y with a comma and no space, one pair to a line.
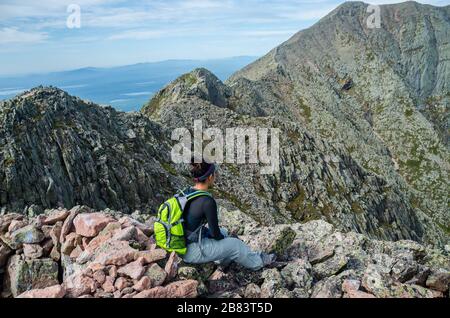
56,291
235,221
27,235
274,239
56,216
439,280
377,281
133,270
110,253
298,277
156,274
180,289
90,224
24,274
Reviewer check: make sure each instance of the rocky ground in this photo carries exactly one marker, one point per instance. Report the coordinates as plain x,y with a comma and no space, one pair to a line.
80,253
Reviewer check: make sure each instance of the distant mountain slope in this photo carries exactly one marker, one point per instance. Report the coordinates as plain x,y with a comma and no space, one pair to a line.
125,88
383,94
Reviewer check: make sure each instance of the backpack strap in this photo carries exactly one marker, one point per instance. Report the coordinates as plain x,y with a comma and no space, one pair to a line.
183,198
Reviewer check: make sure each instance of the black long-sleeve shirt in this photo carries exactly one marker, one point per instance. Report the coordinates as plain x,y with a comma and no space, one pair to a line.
200,209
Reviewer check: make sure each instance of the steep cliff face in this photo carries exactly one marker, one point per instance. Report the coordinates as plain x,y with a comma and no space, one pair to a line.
57,150
382,94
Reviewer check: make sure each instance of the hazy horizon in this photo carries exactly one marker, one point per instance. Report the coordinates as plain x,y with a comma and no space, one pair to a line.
35,37
125,87
105,67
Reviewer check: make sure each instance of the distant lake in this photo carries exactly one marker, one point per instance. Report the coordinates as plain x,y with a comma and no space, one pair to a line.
126,88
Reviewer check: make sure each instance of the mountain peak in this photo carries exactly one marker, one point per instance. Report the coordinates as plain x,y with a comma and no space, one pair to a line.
42,92
200,83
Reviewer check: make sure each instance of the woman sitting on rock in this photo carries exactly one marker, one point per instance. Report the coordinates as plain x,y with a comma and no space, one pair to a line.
213,244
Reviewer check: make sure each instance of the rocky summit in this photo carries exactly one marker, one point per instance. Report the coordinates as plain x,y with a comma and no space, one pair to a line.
80,253
359,207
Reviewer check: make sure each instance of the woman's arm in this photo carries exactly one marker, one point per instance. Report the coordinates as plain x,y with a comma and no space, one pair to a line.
210,209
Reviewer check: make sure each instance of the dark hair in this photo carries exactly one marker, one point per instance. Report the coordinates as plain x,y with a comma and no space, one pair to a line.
199,170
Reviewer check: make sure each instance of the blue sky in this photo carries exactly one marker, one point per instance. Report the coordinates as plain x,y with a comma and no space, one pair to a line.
34,36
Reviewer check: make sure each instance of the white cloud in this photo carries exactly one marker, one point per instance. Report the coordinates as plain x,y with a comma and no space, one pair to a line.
307,15
138,94
267,33
13,35
9,91
137,35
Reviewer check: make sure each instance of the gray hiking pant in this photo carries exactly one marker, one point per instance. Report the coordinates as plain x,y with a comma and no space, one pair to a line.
223,252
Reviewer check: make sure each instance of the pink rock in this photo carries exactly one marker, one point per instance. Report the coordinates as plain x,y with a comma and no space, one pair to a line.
141,237
90,224
55,233
16,224
113,271
153,255
172,266
85,242
143,284
76,252
127,221
156,274
108,285
350,285
95,267
437,294
56,216
134,270
56,291
46,229
5,220
115,253
112,228
122,283
357,294
32,251
99,276
72,240
78,285
39,220
182,289
68,223
96,242
157,292
55,254
126,234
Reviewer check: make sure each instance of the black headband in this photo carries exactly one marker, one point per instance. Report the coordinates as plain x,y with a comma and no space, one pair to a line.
211,170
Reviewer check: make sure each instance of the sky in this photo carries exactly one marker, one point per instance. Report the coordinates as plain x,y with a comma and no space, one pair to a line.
35,37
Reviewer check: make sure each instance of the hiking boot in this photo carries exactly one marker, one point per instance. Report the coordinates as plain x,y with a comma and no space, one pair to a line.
268,259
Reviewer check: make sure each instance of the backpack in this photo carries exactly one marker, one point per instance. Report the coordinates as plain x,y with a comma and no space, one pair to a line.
168,228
